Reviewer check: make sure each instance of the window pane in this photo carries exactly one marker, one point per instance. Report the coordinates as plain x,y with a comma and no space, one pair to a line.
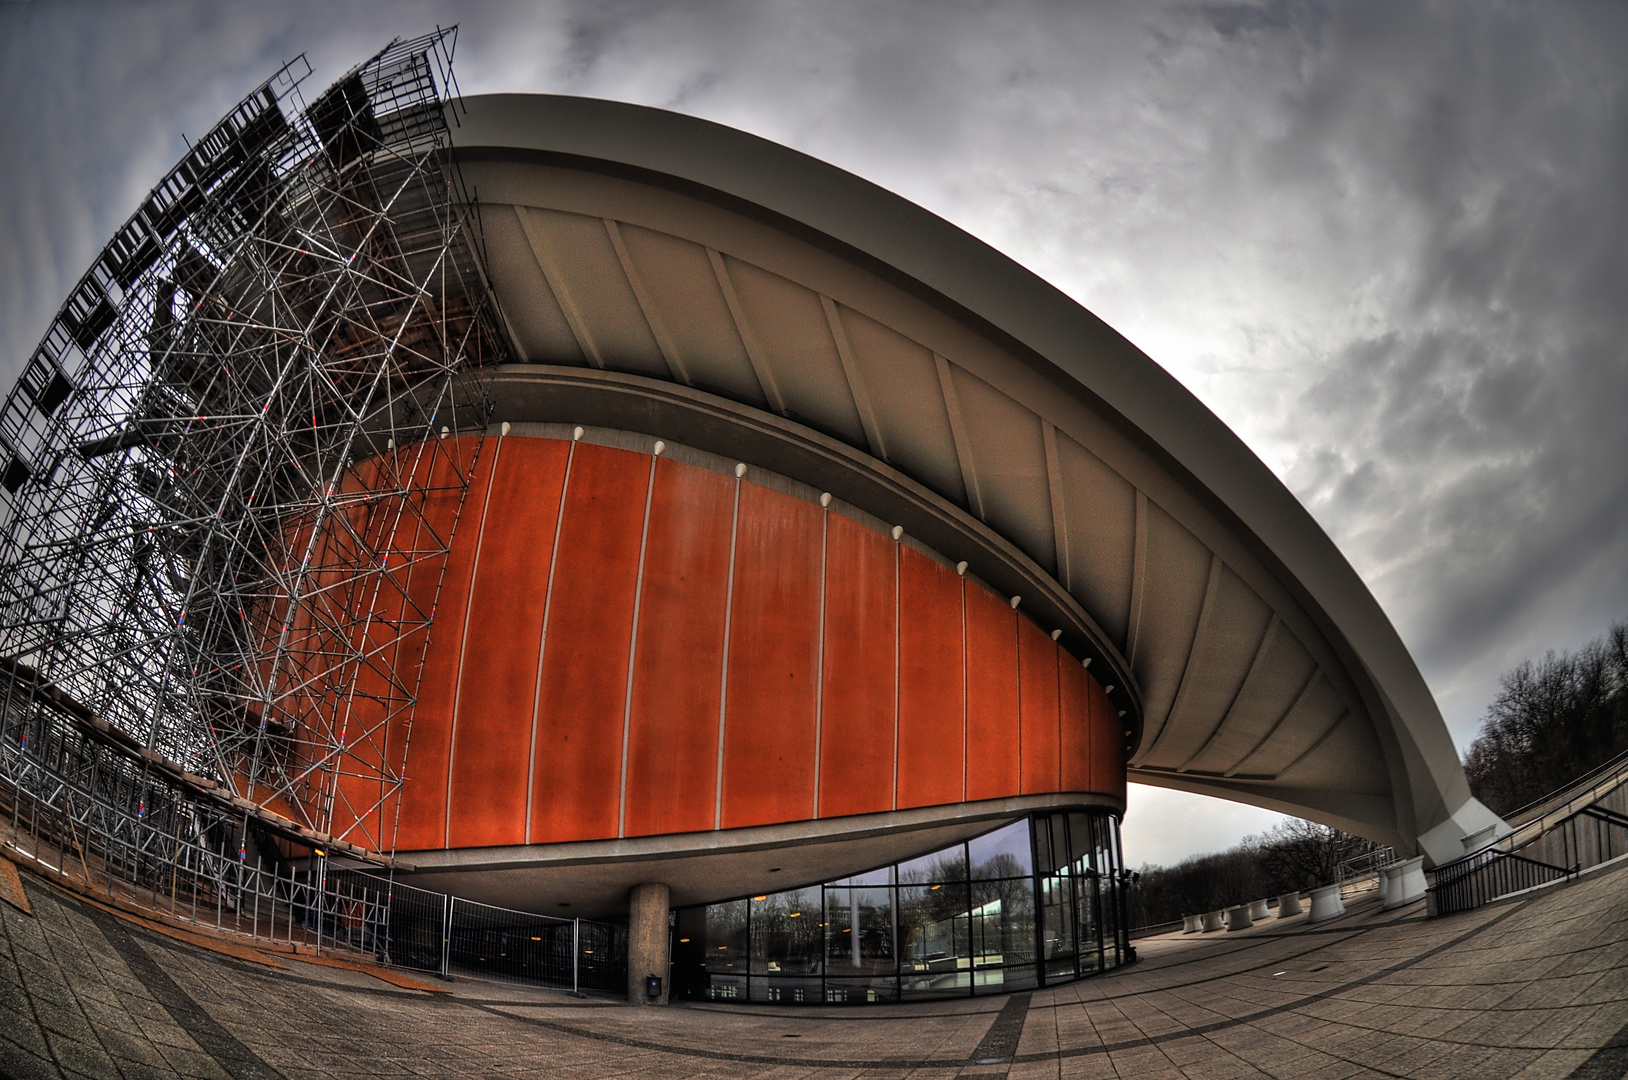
1086,921
805,990
950,864
935,935
726,939
884,876
1057,926
937,985
862,991
786,935
1002,853
859,932
1002,922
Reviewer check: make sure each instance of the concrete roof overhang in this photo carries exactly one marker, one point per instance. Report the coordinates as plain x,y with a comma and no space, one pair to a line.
652,266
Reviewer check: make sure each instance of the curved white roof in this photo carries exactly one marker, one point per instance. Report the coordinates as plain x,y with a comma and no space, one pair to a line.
674,261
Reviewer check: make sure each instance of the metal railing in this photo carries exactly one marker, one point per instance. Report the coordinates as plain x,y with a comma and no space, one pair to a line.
92,812
1485,876
1368,864
1581,827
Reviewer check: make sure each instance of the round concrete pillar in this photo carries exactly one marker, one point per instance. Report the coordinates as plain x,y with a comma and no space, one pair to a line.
1212,921
647,938
1289,904
1259,910
1325,903
1238,918
1406,883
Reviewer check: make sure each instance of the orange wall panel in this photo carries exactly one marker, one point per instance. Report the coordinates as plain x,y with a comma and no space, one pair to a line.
924,689
1037,709
578,753
1074,705
1107,744
672,767
423,803
932,689
992,697
773,661
497,684
858,701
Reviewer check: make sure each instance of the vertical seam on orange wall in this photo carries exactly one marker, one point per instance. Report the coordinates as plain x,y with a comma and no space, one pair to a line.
723,685
542,641
463,646
966,692
819,675
1057,672
1017,654
898,556
633,648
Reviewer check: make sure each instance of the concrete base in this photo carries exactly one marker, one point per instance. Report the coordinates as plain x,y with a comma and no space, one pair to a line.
1238,918
1289,904
1259,910
1192,924
1384,883
647,942
1212,921
1325,903
1405,883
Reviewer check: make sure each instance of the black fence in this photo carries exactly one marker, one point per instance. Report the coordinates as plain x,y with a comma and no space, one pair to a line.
1485,876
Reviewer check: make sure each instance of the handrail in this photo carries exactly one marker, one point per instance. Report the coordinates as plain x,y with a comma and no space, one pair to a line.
1617,767
1486,875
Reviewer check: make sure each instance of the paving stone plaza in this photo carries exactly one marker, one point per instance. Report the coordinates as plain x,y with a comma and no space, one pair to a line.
1533,986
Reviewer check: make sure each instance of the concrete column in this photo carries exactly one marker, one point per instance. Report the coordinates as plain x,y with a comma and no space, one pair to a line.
1238,918
1289,904
1325,903
648,907
1192,924
1407,884
1258,910
1212,921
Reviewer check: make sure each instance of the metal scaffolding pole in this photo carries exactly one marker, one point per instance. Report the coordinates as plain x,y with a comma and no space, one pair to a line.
231,471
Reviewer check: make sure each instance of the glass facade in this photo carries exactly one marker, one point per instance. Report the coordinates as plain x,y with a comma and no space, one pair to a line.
1033,902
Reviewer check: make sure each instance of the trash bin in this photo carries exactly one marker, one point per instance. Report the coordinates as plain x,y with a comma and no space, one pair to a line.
652,986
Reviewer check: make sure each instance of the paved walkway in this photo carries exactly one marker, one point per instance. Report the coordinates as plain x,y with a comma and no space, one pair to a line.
1536,986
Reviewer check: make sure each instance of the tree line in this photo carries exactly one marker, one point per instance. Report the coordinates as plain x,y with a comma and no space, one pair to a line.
1293,855
1552,722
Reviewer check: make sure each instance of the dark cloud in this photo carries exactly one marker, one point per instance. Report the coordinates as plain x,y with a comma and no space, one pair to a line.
1385,242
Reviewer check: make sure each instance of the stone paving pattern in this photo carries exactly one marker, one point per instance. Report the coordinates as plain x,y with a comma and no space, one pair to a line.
1535,986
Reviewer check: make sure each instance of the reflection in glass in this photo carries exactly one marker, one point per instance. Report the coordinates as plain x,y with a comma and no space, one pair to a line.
1032,901
859,931
1002,853
786,935
935,947
950,864
726,950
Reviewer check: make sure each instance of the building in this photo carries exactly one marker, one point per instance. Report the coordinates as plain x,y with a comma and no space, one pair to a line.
697,526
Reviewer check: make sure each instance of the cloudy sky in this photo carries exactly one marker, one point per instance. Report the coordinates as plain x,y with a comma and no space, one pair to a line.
1385,243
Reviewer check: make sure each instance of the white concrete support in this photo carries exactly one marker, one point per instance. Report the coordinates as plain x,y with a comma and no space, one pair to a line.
1406,883
1259,910
1192,924
647,938
1289,904
1213,921
1384,883
1325,904
1238,918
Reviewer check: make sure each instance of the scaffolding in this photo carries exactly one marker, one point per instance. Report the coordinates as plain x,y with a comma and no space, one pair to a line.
231,472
